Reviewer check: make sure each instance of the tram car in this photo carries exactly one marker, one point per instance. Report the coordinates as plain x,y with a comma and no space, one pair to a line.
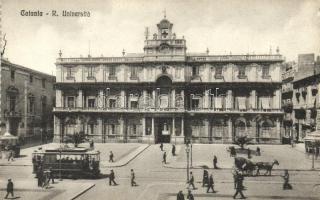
68,162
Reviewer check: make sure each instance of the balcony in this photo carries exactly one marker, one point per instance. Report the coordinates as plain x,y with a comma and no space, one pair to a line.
166,110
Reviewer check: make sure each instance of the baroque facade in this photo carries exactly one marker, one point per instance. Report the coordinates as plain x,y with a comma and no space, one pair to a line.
27,100
168,95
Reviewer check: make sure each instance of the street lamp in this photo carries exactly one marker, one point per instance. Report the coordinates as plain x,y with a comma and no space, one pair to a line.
191,153
187,151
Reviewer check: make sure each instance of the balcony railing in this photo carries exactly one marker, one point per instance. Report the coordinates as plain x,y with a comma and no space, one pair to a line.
164,110
235,58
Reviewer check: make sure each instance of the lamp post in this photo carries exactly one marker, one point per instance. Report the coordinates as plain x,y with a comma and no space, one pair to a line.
187,151
60,151
191,153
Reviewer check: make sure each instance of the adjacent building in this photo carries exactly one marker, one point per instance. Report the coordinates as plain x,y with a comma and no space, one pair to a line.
26,101
166,94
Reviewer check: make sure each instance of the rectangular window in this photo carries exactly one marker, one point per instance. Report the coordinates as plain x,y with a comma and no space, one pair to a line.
112,71
12,103
30,79
242,73
112,103
43,83
69,72
12,73
31,104
218,74
265,72
133,74
70,102
90,71
91,103
195,71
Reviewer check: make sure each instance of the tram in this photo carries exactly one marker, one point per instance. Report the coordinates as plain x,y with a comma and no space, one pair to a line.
74,162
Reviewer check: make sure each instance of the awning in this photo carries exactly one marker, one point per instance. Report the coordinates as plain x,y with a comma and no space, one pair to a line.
218,103
265,103
242,103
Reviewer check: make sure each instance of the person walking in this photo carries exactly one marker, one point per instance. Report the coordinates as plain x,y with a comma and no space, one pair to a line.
9,189
111,157
215,161
111,178
180,195
235,173
133,177
286,184
51,177
191,181
210,184
249,153
190,195
161,146
10,156
164,158
173,150
239,186
205,178
258,153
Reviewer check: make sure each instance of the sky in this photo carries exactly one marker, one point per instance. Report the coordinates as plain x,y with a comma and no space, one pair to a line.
222,26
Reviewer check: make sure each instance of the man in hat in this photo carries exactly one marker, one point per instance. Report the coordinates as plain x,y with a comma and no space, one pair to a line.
191,181
173,150
164,158
133,177
111,178
210,184
9,188
239,186
180,195
111,157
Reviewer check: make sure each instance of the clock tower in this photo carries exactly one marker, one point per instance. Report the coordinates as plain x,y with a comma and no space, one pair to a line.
164,42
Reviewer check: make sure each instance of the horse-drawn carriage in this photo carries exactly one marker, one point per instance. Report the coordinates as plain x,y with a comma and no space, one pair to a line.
248,167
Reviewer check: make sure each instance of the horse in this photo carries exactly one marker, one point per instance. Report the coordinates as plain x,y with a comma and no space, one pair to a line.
245,165
267,166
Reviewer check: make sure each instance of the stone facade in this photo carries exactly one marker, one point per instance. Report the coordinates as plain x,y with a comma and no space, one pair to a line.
168,95
27,100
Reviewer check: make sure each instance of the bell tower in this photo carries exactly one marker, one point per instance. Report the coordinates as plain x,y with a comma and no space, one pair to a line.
165,42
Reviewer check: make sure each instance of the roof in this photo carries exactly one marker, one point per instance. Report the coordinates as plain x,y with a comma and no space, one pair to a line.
7,62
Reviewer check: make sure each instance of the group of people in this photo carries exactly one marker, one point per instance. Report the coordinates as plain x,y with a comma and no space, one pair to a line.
132,178
44,177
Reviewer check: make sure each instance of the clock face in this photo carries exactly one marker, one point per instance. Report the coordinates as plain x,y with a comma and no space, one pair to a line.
164,33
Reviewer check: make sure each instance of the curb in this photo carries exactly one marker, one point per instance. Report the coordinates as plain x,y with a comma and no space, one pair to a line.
82,192
225,168
133,157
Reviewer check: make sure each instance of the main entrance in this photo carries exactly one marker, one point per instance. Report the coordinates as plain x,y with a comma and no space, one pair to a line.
163,129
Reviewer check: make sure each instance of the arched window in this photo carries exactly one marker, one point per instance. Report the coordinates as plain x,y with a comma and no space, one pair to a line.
265,130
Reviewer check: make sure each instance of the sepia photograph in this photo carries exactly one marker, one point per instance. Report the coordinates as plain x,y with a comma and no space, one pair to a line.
160,99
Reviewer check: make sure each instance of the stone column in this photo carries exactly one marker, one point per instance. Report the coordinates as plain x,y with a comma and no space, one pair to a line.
122,129
144,96
206,131
143,127
276,99
230,139
253,99
173,98
154,98
229,105
100,99
99,131
123,98
59,98
56,129
206,99
80,99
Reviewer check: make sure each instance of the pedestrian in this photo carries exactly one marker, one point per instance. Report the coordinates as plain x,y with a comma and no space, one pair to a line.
191,181
173,150
258,153
235,173
180,195
111,178
51,177
164,158
249,153
161,146
9,188
91,144
190,195
210,184
205,178
133,177
40,176
215,161
239,186
111,157
286,184
10,156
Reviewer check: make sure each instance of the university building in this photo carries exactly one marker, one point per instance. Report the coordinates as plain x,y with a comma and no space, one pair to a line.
166,94
26,102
